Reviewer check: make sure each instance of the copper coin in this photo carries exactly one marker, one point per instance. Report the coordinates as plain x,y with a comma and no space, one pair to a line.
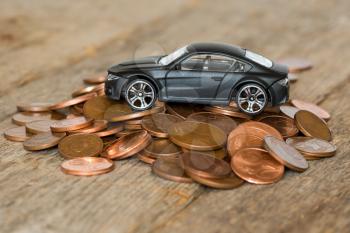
244,140
41,126
71,124
43,141
132,127
204,165
289,111
96,107
285,154
221,121
97,125
162,148
312,146
195,135
112,128
80,145
22,118
87,166
96,79
17,134
249,134
128,145
228,111
145,158
256,166
122,112
124,132
159,124
78,108
134,122
89,89
318,111
311,125
170,169
296,65
183,110
34,107
71,102
284,125
219,154
230,182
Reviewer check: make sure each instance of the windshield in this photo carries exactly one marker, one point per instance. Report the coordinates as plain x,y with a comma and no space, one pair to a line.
258,59
166,60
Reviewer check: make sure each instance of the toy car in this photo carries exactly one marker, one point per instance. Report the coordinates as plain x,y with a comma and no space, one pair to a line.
202,73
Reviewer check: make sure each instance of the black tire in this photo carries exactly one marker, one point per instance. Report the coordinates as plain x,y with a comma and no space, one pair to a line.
251,99
140,94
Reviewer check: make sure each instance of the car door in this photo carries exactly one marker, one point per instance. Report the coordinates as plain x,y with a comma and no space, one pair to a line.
196,78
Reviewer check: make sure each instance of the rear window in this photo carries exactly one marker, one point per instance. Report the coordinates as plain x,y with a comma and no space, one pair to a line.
258,59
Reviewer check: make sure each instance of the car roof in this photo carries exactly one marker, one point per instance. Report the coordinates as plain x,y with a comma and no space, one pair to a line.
216,48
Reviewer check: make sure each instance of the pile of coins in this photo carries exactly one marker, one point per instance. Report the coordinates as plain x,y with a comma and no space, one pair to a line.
216,146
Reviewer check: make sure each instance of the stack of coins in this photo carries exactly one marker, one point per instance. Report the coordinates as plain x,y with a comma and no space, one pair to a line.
216,146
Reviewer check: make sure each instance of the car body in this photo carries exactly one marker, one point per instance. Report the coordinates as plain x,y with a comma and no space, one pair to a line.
202,73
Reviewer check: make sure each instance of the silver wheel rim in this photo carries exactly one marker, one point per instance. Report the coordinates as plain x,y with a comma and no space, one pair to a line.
140,95
252,99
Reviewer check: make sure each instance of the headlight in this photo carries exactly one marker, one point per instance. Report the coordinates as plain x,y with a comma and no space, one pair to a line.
283,82
111,77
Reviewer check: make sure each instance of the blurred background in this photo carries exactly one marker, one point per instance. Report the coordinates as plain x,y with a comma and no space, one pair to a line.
48,47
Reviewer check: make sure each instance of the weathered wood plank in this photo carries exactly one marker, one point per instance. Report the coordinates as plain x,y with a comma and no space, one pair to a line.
36,197
34,40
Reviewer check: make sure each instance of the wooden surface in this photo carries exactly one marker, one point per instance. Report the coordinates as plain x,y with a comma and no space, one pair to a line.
47,48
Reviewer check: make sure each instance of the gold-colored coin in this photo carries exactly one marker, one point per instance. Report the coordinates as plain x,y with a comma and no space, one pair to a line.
41,126
284,125
312,147
158,124
96,107
285,154
315,109
219,154
122,112
71,102
89,89
223,122
195,135
97,126
43,141
145,158
87,166
162,148
183,110
230,182
22,118
311,125
34,107
228,111
80,145
170,169
71,124
17,134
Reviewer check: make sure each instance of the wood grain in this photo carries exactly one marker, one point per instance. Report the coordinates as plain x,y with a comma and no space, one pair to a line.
37,197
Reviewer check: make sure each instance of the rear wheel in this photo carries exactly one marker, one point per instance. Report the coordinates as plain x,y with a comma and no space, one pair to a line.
140,94
251,99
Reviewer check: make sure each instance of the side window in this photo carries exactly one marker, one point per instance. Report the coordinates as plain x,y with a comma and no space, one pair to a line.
241,67
195,62
220,63
208,62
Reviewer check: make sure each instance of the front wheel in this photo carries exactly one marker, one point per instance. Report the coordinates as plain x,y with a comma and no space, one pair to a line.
140,94
251,99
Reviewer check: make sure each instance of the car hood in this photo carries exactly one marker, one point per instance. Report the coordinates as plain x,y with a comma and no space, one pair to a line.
279,68
146,62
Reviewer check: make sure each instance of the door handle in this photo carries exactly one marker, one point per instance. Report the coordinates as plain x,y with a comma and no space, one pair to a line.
217,78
